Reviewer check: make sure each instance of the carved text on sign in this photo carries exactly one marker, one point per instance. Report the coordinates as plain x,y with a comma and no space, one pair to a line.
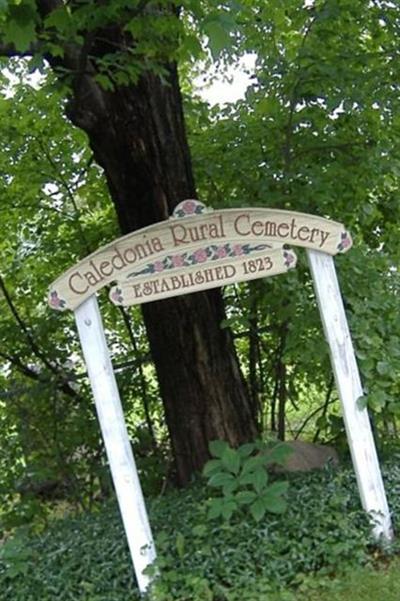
192,229
142,289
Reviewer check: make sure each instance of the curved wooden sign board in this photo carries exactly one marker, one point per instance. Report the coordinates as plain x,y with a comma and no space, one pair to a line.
198,249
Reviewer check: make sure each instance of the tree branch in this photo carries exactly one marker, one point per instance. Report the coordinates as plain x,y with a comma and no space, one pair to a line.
24,369
31,341
62,382
37,376
45,7
70,193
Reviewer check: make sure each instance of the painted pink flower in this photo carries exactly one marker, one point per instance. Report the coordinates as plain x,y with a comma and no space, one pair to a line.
189,207
177,261
289,259
117,295
158,266
221,252
237,249
55,301
200,255
345,241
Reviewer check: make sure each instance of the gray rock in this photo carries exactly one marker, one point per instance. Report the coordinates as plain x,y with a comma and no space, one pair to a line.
307,456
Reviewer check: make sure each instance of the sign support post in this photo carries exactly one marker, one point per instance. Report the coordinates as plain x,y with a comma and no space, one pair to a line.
116,440
347,377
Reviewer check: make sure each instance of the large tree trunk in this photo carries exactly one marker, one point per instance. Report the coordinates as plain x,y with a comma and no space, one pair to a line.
137,135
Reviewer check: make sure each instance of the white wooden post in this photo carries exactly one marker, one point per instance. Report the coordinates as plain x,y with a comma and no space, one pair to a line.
115,435
358,428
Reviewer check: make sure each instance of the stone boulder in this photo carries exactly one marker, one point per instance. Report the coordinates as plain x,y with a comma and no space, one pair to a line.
307,456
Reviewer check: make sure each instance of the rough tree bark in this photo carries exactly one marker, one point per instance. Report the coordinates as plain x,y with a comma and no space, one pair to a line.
137,135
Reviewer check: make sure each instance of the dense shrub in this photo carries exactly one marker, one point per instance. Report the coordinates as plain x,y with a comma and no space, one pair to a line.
86,558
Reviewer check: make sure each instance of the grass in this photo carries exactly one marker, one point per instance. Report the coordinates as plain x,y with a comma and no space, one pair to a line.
360,584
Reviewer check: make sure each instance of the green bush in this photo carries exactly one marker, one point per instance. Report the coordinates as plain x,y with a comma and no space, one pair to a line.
323,531
242,476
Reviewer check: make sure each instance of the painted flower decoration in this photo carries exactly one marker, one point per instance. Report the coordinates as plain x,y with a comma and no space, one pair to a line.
189,207
177,261
221,252
289,259
116,296
159,266
238,250
345,242
55,301
200,255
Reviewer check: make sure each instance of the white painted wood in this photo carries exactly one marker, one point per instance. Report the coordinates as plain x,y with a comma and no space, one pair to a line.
115,435
358,428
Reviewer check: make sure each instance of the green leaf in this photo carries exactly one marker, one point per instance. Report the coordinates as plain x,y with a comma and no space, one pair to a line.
229,488
245,450
105,82
260,479
55,49
278,488
221,479
257,509
231,460
362,401
180,544
217,447
212,466
274,504
218,37
383,368
215,508
244,497
378,398
199,530
272,499
228,509
60,18
278,454
191,47
21,35
245,479
251,464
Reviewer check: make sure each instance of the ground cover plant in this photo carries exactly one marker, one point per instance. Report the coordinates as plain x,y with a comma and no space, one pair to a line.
323,533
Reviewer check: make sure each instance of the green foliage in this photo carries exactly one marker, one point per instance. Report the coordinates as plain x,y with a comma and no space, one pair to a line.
45,186
19,27
16,555
242,476
317,132
55,209
323,533
218,28
151,34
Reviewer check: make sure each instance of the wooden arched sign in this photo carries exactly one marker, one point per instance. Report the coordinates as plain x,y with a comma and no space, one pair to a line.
197,249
